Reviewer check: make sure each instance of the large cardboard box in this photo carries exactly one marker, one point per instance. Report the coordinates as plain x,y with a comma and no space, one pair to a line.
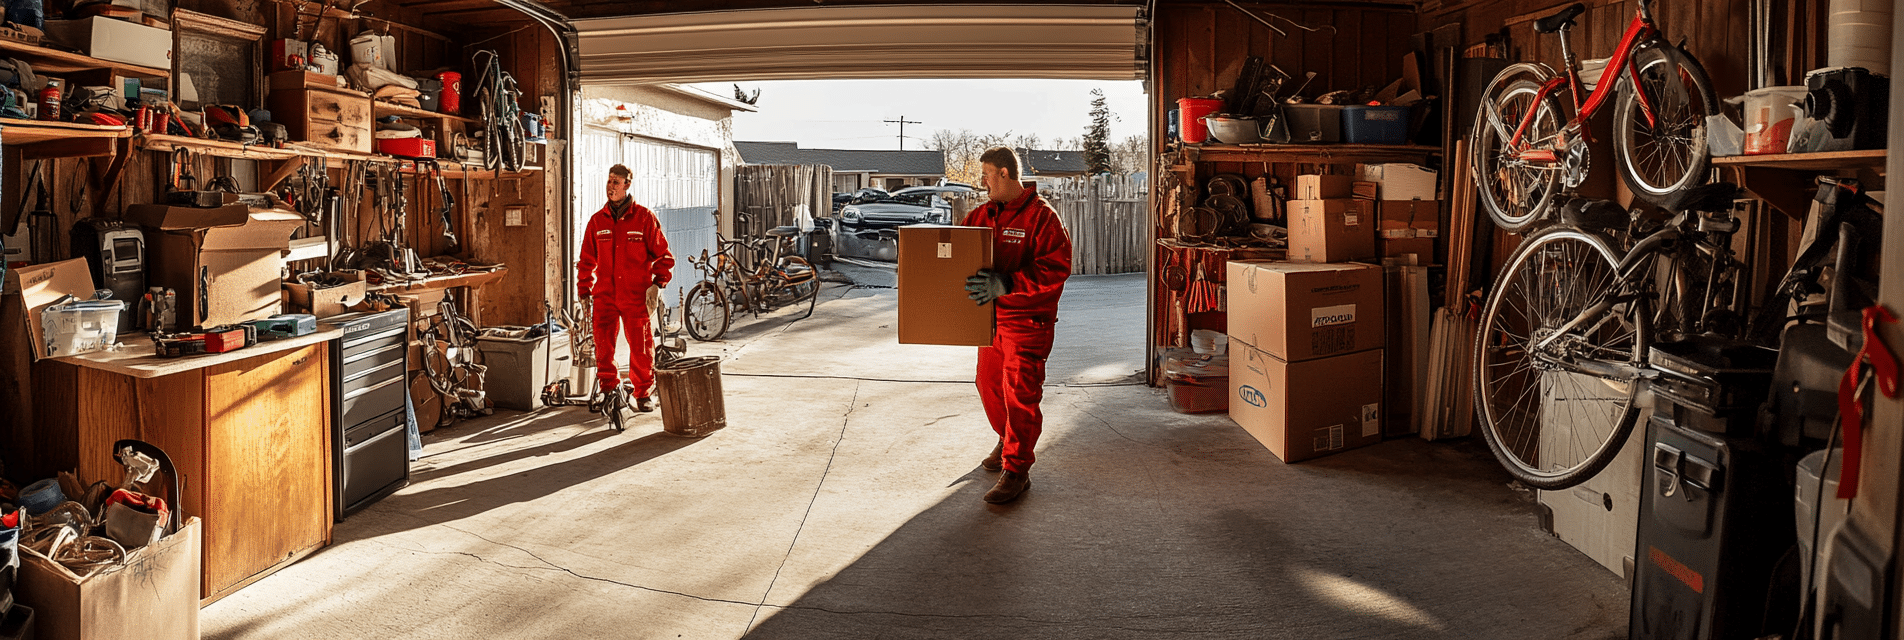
1409,227
153,596
1303,410
1303,311
934,261
115,40
1337,230
1319,187
1401,180
1601,516
225,262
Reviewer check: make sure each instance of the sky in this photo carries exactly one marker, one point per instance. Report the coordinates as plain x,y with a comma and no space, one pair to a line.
850,114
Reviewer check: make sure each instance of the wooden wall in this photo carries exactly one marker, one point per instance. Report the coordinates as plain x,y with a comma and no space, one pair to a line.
1204,45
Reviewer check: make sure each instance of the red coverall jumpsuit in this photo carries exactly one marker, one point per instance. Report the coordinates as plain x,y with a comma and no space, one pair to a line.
1032,250
621,256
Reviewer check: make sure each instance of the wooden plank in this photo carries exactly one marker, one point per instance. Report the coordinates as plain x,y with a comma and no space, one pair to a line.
1820,161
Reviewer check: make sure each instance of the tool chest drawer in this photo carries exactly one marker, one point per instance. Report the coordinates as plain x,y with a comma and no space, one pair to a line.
324,118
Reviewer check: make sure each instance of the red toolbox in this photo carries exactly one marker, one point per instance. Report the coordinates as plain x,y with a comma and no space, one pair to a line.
407,147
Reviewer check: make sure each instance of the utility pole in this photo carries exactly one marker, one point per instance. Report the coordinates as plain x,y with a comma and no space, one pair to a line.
902,130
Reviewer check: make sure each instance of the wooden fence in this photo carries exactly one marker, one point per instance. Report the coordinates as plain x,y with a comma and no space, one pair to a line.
768,193
1106,215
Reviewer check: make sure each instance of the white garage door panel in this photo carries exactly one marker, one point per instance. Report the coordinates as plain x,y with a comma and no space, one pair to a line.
1092,42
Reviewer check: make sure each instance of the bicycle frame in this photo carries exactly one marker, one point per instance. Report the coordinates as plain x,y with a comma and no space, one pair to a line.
1637,31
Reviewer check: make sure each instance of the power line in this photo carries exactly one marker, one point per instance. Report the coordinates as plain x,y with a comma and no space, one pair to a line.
902,129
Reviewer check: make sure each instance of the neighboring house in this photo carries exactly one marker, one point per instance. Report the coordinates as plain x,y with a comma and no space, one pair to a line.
1052,164
853,169
678,141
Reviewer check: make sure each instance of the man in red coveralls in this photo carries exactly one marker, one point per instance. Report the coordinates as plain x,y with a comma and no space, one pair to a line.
1031,257
625,263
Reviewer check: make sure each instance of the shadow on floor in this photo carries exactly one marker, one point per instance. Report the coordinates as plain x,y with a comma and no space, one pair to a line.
1406,539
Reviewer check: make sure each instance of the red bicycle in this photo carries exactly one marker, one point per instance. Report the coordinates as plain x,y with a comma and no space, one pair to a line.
1528,144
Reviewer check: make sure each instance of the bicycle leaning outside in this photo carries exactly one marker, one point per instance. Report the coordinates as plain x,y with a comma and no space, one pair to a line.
1527,143
752,274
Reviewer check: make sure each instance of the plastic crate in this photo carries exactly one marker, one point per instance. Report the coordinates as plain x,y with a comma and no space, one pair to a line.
1363,124
1314,122
80,327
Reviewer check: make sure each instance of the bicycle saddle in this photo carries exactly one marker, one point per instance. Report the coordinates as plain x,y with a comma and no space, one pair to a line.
1561,20
784,232
1585,213
1717,196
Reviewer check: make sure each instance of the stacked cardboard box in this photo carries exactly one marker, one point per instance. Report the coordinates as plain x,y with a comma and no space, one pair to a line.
1327,224
1410,216
1306,355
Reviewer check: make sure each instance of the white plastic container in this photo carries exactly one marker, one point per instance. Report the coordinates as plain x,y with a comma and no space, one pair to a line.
1234,130
1769,115
80,327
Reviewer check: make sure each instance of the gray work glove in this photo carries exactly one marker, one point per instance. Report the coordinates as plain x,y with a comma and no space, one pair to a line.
986,286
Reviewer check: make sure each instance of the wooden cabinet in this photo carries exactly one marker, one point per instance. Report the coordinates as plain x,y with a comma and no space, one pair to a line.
249,434
329,119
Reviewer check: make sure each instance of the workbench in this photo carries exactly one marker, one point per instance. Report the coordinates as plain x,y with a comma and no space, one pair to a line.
249,430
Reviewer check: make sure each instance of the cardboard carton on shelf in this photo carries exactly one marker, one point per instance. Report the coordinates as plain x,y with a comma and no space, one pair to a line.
934,261
1339,230
115,40
225,262
329,301
1302,311
1401,180
1409,227
1309,409
1321,187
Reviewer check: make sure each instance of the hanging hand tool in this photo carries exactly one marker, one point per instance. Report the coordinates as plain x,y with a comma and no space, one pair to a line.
447,204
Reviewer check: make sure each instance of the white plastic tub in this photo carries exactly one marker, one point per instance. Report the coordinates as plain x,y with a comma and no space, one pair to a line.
1769,115
80,327
1234,130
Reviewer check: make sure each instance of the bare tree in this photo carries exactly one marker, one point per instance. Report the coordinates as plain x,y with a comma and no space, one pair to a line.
962,150
1131,155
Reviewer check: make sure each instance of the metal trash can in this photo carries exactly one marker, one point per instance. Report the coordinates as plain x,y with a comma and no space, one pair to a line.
690,393
518,368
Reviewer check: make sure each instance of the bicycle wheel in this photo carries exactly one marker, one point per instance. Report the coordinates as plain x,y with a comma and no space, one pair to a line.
705,312
1515,192
1661,158
1552,424
805,281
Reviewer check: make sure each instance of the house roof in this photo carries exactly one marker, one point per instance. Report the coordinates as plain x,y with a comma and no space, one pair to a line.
1052,162
911,163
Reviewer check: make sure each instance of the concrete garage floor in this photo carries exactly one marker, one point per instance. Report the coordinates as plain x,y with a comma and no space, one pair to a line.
843,501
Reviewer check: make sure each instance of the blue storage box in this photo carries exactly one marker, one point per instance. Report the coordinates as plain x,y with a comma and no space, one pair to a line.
1362,124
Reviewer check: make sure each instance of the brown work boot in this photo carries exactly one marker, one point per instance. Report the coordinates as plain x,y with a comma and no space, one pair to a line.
644,404
1011,484
995,461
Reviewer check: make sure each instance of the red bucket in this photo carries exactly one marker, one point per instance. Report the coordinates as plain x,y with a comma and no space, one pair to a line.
1190,117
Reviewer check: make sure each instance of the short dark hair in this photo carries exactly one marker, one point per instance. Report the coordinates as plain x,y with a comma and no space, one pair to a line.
621,170
1003,158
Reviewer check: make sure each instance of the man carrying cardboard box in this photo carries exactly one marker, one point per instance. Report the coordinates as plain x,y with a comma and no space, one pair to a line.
625,240
1031,257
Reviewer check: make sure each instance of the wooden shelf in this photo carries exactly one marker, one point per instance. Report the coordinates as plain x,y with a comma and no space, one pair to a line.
1821,161
15,131
1309,153
472,279
381,109
454,169
46,60
228,149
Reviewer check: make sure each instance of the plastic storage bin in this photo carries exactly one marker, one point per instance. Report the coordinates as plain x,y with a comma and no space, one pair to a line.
520,367
1314,122
1363,124
80,327
1197,383
1234,130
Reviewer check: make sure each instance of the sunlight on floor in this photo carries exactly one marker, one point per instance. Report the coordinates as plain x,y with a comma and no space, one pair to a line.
1355,596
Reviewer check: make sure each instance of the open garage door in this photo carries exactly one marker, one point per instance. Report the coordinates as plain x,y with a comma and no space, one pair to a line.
1098,42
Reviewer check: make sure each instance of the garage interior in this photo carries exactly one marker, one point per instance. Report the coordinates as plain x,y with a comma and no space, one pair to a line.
841,498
